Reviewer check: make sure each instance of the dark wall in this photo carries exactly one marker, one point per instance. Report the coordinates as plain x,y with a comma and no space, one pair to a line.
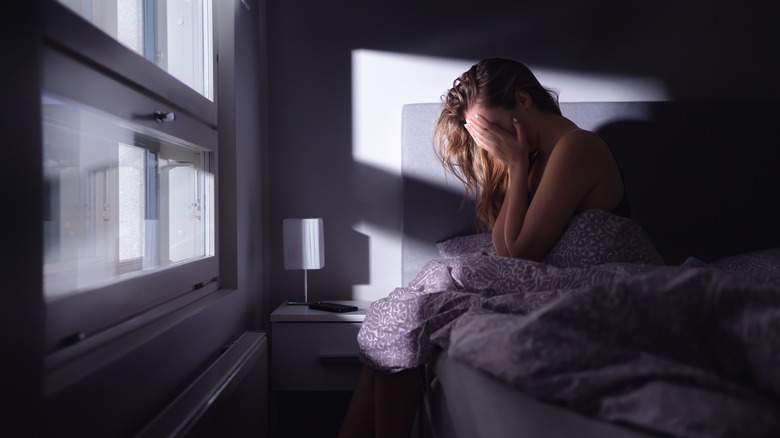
22,311
701,177
701,51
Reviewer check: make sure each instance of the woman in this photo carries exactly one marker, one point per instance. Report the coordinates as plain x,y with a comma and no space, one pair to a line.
532,169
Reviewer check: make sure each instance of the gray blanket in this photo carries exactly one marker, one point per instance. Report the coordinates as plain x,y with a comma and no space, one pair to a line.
690,350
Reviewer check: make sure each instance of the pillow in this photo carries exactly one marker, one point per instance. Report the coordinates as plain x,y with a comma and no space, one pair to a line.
595,236
460,245
757,262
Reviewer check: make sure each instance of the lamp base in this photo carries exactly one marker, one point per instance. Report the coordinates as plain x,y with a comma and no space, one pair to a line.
298,303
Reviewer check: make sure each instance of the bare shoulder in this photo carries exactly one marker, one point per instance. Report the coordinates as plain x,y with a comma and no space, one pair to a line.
581,156
582,139
580,144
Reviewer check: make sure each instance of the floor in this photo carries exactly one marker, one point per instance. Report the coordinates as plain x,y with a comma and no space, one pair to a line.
297,414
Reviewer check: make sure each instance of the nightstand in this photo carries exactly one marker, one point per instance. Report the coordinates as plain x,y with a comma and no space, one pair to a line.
314,366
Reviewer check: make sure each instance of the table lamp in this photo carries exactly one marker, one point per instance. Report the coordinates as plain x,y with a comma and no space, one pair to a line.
304,248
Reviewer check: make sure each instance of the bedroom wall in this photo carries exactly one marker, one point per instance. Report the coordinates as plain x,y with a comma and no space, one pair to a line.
340,73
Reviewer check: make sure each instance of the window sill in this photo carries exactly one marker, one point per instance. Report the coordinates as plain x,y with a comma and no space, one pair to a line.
71,364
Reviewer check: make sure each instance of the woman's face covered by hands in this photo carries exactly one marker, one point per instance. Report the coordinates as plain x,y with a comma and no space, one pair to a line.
497,131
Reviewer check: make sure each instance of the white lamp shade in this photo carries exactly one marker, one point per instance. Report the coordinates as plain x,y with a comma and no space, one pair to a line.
304,244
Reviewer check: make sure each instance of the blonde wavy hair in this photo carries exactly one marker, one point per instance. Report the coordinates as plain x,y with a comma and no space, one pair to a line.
493,82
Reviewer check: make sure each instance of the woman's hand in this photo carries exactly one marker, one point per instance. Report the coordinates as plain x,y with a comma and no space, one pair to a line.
506,147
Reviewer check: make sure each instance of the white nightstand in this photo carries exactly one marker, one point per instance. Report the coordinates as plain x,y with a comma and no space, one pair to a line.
314,368
315,350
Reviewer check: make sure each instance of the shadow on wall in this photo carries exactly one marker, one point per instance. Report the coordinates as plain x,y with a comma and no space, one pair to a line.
702,178
346,253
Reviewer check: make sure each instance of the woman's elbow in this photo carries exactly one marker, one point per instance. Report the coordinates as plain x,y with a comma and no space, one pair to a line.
502,251
524,252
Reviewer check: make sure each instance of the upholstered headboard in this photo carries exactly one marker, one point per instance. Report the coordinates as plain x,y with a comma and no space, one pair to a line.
702,178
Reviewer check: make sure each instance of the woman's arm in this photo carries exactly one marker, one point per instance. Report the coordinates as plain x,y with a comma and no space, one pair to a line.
574,169
516,205
512,150
497,234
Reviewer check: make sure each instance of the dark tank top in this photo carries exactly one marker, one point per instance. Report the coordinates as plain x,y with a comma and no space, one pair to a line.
623,208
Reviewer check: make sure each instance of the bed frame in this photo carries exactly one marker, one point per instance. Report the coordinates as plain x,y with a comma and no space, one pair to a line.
702,179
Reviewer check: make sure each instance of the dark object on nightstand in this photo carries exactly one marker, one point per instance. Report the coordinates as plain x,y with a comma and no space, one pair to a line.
332,307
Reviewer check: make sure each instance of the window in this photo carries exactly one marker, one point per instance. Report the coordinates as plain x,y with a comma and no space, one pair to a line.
130,156
175,35
121,200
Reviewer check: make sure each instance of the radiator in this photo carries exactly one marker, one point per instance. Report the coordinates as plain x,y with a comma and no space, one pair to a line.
229,399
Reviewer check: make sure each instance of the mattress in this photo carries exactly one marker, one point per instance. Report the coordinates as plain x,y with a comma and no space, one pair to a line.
467,403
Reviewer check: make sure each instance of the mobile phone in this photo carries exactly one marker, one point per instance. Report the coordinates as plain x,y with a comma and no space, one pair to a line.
332,307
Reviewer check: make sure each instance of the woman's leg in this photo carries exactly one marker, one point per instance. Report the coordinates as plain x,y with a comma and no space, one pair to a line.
382,406
359,420
395,403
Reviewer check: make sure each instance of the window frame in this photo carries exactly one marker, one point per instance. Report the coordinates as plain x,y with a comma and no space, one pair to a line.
83,64
110,56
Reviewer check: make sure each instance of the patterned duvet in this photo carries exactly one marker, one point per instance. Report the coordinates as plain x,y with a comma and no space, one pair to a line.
602,327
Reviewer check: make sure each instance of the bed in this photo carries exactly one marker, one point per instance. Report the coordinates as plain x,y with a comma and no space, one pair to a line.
666,324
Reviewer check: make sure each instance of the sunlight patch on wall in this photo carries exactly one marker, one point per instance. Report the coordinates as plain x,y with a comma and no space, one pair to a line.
588,87
381,84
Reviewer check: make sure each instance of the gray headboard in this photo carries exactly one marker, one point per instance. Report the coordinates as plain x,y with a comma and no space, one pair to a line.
702,178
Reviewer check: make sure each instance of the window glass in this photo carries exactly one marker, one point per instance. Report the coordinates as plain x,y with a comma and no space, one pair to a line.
176,35
120,199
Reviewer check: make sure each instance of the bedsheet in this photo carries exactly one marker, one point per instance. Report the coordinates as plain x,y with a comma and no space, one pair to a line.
688,350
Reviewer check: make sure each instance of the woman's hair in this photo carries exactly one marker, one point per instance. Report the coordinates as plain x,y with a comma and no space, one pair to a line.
493,82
